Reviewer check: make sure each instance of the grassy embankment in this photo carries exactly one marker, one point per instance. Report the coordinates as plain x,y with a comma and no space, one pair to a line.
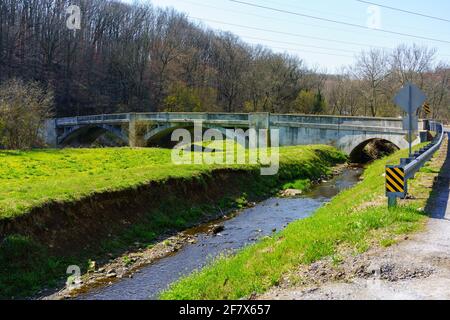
356,219
29,179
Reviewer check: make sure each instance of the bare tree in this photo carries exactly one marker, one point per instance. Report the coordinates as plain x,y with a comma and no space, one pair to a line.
287,73
411,63
23,109
232,63
372,69
437,87
344,94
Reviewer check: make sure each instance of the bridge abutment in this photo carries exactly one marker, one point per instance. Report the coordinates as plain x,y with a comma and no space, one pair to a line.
135,136
50,135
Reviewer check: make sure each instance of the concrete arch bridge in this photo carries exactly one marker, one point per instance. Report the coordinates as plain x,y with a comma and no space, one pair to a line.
349,134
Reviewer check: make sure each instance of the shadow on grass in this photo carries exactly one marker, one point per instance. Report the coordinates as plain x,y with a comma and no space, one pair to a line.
11,153
15,153
437,203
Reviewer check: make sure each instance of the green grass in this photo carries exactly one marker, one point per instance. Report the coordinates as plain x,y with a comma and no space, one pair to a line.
338,224
299,184
25,266
31,178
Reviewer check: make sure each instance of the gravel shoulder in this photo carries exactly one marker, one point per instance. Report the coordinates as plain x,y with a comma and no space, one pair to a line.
417,268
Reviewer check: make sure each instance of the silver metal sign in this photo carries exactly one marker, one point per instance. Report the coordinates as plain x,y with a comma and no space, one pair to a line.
410,98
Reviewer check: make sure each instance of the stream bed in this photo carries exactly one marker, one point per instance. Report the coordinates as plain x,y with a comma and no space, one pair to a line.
245,228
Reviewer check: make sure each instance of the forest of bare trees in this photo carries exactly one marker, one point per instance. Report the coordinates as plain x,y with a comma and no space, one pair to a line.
140,58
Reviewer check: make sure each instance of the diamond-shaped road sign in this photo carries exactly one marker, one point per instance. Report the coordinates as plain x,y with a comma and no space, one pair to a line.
410,98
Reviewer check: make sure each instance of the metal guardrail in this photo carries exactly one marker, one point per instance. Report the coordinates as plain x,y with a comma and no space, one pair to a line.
397,176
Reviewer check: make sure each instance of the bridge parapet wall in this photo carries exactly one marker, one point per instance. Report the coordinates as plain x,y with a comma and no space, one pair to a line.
336,120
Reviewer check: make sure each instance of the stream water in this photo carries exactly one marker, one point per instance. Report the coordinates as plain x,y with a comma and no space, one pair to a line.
245,228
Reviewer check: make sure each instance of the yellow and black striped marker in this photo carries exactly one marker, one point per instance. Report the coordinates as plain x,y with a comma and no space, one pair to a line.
427,109
395,181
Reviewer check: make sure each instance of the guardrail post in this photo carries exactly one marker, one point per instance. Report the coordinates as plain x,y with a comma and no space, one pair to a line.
392,201
423,136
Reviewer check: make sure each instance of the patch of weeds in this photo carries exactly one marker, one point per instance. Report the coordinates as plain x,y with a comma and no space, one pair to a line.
242,201
127,261
336,259
387,242
300,184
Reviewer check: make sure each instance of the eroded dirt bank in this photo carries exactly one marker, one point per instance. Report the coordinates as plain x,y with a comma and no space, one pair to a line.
418,267
75,227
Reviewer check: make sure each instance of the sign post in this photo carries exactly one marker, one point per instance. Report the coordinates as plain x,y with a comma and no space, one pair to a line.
410,98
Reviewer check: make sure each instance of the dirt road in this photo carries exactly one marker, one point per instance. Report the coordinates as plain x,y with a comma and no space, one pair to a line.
418,268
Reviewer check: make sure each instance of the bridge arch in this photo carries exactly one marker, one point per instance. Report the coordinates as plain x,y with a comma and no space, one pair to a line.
372,149
88,134
349,142
160,136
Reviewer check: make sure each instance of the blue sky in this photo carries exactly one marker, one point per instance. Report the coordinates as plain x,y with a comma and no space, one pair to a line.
339,43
